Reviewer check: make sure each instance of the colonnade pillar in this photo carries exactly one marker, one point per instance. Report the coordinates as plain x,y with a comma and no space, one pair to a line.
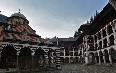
32,54
86,60
18,51
110,58
104,59
107,36
99,58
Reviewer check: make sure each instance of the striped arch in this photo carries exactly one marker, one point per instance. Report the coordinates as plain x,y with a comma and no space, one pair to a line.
8,57
25,58
39,57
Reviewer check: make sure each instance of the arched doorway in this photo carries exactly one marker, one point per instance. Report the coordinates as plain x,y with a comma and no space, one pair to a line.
91,57
39,58
111,38
71,60
81,59
66,60
101,56
104,32
109,29
113,55
76,59
106,56
100,45
99,35
62,59
8,57
25,58
104,43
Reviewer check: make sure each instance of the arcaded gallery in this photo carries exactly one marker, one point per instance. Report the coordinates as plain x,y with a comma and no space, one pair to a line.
98,38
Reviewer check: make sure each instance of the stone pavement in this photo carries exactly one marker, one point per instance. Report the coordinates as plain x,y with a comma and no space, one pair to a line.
79,68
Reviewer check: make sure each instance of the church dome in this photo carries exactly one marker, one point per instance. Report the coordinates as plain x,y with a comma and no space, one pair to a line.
17,19
18,15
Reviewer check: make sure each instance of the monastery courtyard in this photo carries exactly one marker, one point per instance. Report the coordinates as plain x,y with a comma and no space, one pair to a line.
78,68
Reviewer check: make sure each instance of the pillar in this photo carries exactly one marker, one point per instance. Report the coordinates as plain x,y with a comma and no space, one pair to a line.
18,60
110,58
104,59
64,51
32,54
86,60
99,59
102,37
107,36
69,59
58,62
114,32
95,59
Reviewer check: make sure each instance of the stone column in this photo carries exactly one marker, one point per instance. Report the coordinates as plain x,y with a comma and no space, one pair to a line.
104,59
107,36
73,52
86,60
99,59
95,59
115,37
64,51
110,58
69,59
102,38
114,31
32,54
18,60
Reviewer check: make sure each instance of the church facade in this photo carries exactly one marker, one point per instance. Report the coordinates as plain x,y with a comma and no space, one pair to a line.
16,38
20,46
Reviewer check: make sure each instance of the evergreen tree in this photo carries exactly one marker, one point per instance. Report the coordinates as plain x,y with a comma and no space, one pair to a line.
77,33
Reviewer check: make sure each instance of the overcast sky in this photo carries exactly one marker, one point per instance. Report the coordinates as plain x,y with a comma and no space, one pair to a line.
54,17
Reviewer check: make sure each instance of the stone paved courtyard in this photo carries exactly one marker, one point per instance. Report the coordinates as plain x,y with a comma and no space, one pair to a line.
79,68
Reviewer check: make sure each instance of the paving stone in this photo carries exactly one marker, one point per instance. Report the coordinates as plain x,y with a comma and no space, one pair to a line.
79,68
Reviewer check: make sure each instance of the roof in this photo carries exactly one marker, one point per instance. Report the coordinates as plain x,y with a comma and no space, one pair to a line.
113,3
18,14
64,39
